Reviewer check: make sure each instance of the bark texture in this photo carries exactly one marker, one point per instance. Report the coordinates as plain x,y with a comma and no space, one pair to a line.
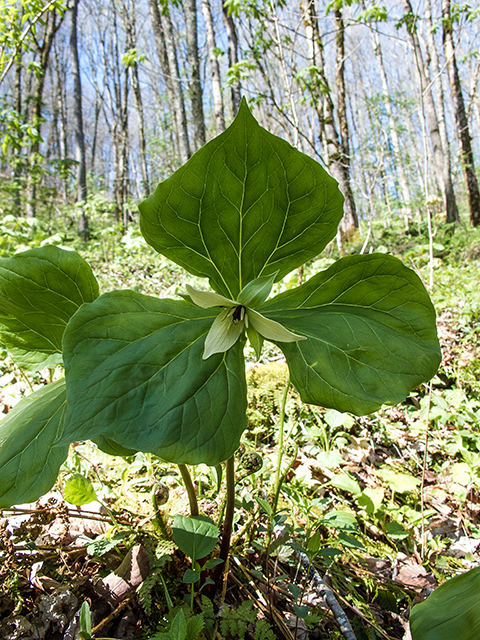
461,117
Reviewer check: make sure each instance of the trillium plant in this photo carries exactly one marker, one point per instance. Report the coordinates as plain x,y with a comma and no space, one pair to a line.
167,376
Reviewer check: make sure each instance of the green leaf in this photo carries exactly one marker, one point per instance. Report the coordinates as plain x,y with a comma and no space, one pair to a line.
371,334
112,448
395,531
196,536
451,611
314,543
78,490
178,630
246,205
40,290
257,291
341,520
345,483
190,577
300,611
350,541
263,504
371,499
135,374
29,453
195,625
399,482
85,621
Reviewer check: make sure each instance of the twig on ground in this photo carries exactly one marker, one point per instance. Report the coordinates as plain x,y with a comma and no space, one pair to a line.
328,594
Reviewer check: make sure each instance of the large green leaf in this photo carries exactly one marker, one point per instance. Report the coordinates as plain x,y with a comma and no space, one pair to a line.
451,612
135,374
371,334
196,536
29,461
40,290
247,204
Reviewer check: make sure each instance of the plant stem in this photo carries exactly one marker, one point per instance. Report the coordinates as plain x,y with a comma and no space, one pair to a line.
424,468
187,481
281,431
227,527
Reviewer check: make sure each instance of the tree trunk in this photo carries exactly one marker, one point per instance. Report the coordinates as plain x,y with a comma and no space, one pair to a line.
236,88
51,26
196,92
214,68
159,36
128,15
62,116
450,202
178,101
428,104
338,163
350,221
393,133
461,117
78,124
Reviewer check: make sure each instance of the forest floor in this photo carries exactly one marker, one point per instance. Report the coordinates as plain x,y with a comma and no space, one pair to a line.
385,507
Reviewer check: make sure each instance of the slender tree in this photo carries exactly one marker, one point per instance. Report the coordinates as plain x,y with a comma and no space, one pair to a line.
320,92
428,103
78,123
461,116
218,108
178,98
195,85
51,25
235,85
450,200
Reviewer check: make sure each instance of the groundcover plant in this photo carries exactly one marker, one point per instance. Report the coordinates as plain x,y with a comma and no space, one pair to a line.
168,376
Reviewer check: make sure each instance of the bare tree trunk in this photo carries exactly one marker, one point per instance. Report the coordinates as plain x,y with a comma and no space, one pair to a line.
428,103
214,68
338,163
95,133
461,117
196,93
17,171
350,221
159,36
393,133
178,101
128,15
450,202
236,88
51,26
61,110
78,124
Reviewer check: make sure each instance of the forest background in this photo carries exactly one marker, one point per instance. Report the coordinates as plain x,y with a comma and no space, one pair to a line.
99,101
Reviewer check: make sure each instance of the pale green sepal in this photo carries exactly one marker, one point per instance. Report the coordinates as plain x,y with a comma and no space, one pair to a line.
256,291
208,299
256,341
270,329
223,334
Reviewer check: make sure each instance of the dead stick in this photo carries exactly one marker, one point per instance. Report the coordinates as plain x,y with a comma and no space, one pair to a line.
114,614
329,596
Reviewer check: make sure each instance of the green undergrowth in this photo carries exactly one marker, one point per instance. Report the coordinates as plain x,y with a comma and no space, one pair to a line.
355,496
